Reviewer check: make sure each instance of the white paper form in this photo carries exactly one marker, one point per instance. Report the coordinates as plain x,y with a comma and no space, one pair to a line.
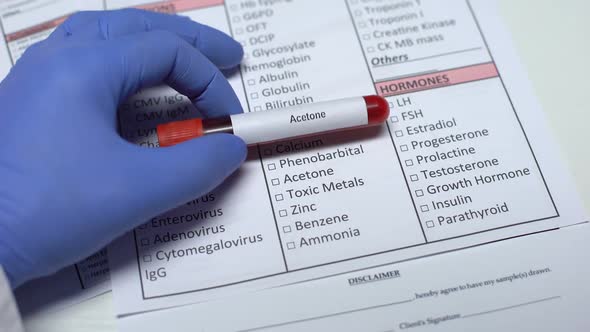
23,24
465,158
479,289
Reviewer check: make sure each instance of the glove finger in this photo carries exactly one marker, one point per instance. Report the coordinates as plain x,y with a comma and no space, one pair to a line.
220,48
102,25
74,25
151,58
179,173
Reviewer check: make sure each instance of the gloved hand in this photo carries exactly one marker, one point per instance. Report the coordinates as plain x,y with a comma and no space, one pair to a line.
69,184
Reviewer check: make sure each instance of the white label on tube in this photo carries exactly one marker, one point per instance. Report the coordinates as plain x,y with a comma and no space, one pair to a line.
272,125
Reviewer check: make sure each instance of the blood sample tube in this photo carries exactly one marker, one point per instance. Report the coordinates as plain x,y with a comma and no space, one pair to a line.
281,124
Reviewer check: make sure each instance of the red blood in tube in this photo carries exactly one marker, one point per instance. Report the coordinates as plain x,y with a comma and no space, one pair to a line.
377,109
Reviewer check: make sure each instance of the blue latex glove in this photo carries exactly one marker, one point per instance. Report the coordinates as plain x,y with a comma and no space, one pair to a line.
69,184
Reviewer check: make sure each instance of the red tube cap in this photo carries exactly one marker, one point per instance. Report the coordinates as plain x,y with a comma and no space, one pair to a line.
179,131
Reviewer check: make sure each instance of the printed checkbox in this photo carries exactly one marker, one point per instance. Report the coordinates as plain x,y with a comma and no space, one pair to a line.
275,182
290,245
147,258
239,31
251,82
424,208
409,162
272,166
404,148
236,19
282,213
419,193
430,224
279,197
394,119
366,36
145,242
414,177
257,108
370,49
287,229
254,95
233,7
399,133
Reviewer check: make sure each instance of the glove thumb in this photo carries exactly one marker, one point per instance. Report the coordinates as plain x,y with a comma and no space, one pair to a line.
167,177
